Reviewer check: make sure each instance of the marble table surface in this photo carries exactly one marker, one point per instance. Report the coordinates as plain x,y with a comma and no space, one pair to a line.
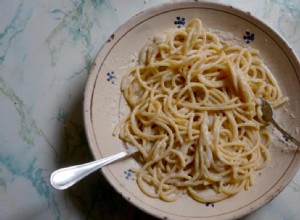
46,50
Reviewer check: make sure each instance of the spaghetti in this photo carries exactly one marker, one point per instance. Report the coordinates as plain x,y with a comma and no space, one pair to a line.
195,115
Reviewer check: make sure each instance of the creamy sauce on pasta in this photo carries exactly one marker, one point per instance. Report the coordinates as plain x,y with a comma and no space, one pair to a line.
195,115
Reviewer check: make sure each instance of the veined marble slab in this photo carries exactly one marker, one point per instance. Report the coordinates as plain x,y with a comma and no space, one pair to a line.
46,50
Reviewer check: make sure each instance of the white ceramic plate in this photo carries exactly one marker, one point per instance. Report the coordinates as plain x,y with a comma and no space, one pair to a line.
104,105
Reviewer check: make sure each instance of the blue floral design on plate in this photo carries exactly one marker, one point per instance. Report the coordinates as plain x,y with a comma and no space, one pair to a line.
248,37
285,137
180,21
210,204
111,76
129,174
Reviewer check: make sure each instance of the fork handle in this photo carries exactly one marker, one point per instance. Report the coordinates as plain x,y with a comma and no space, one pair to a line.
285,133
66,177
